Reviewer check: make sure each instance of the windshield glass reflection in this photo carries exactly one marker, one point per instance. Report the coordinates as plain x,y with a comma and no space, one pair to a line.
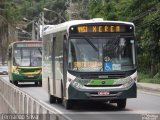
28,57
101,54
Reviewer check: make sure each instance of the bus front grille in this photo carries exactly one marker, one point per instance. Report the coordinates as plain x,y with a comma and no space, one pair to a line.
102,85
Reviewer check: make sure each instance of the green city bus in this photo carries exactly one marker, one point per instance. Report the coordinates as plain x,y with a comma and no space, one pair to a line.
90,60
25,62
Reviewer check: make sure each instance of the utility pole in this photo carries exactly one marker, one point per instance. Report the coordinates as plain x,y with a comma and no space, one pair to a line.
38,29
33,27
42,24
59,16
33,30
70,12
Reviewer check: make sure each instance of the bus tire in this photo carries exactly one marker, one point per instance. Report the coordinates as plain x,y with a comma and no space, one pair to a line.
40,83
15,83
68,104
121,104
52,99
59,100
36,83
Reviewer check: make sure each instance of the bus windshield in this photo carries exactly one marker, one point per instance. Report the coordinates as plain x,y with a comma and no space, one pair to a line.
95,54
27,57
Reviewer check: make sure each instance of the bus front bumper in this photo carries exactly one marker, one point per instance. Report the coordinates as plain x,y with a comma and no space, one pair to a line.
27,78
93,94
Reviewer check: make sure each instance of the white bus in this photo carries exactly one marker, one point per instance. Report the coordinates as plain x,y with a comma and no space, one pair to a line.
90,60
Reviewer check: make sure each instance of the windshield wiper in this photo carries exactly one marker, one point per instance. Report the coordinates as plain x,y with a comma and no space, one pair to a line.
89,41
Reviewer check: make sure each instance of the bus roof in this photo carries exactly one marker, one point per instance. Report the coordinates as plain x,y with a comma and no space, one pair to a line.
48,29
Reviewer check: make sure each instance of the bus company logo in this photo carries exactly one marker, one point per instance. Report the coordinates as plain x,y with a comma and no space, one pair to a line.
150,117
103,82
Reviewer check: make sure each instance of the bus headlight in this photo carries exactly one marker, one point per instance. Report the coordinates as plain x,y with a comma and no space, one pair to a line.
70,77
134,76
122,81
77,84
16,71
125,82
128,83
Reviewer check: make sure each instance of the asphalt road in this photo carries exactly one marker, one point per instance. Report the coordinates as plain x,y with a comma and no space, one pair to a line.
146,105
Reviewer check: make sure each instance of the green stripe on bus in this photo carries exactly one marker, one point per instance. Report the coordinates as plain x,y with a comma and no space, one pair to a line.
101,82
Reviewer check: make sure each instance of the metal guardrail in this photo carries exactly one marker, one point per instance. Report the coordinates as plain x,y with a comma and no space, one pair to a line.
14,101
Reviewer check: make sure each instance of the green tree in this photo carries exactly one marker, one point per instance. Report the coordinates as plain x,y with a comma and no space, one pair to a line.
145,14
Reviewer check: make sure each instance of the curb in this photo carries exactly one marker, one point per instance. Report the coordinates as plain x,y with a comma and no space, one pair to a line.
151,88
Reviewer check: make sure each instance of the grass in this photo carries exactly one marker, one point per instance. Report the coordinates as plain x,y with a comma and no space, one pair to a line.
145,78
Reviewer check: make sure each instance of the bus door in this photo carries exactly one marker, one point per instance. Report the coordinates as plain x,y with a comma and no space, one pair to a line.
53,64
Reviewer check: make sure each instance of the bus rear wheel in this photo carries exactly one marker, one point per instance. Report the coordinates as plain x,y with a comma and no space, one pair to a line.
36,83
68,104
52,99
15,83
59,100
121,104
40,83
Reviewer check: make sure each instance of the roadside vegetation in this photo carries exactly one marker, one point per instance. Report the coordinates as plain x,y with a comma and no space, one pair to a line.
146,78
145,14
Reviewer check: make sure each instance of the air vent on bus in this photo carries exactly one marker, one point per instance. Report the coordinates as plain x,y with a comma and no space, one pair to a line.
110,76
97,19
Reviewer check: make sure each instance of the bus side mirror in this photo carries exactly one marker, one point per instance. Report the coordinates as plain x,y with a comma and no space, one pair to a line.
65,45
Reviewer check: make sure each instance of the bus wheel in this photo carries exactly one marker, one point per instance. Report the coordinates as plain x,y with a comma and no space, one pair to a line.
15,83
59,100
36,83
121,104
40,83
68,104
52,99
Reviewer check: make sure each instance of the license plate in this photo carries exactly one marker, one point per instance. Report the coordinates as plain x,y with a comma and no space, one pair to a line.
103,93
30,76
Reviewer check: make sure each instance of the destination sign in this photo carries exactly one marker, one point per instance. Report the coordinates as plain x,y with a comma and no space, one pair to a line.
90,64
101,29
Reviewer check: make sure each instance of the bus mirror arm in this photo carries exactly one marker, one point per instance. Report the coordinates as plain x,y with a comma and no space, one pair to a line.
65,45
65,42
